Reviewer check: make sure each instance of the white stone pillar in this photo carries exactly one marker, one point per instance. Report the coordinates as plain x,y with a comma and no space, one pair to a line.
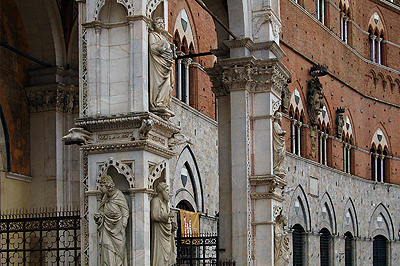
346,29
97,73
293,135
324,137
179,80
382,157
375,155
298,137
373,37
131,67
187,80
348,157
342,25
379,50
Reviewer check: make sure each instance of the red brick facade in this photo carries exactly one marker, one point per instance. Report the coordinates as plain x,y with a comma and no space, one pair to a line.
369,92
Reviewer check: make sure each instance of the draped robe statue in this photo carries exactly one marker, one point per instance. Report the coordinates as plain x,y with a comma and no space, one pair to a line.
163,251
162,54
279,146
281,241
111,219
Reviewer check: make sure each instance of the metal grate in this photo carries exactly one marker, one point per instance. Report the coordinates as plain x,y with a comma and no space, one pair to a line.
325,247
380,251
349,250
43,238
298,245
197,250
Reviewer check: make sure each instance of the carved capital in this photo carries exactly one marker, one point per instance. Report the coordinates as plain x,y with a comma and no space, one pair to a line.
248,74
53,97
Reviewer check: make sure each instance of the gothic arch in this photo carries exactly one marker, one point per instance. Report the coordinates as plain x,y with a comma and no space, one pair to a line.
349,131
120,168
381,223
326,214
190,189
299,210
380,139
380,26
350,219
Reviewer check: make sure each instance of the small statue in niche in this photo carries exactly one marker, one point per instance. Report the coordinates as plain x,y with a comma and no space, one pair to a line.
285,97
339,122
281,240
279,146
111,219
162,54
314,100
162,252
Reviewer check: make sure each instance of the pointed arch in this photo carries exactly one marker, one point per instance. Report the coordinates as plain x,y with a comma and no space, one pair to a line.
326,214
348,127
189,188
121,168
380,138
350,219
299,210
296,102
381,223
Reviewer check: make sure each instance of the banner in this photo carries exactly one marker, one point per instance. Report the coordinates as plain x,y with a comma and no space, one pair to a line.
190,225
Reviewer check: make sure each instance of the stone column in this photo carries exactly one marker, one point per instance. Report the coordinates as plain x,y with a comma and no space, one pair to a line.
248,92
373,37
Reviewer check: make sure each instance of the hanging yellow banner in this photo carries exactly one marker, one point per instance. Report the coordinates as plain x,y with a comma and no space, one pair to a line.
190,225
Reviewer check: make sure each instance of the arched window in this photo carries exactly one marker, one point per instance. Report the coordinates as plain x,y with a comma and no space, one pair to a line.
344,22
348,249
376,32
296,122
325,245
347,144
322,145
378,165
380,251
298,236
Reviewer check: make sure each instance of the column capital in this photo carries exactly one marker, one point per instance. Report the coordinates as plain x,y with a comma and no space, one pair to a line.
248,73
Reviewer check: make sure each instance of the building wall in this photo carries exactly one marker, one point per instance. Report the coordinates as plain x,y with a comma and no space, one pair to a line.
316,180
369,92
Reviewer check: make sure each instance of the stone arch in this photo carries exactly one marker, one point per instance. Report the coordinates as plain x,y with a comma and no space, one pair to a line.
100,4
376,22
299,210
296,103
111,11
380,139
348,128
48,43
190,189
183,26
381,223
350,219
120,168
5,156
326,214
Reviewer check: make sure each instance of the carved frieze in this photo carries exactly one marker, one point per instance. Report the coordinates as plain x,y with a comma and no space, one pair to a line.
314,100
53,97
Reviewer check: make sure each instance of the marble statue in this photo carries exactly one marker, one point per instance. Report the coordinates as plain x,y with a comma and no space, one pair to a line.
162,249
78,136
281,241
279,146
162,54
111,219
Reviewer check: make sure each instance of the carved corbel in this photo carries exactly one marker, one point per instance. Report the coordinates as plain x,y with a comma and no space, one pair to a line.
147,125
78,136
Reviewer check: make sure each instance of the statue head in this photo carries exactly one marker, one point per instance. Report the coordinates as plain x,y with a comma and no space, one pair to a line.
278,117
158,24
163,191
106,184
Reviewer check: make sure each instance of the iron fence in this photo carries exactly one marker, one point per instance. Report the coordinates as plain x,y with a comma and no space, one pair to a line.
199,250
42,238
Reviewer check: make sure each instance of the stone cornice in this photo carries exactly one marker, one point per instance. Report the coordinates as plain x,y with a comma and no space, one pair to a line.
248,73
53,97
103,25
129,146
128,121
256,46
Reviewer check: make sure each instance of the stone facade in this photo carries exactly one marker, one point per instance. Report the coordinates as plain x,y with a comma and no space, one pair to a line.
366,197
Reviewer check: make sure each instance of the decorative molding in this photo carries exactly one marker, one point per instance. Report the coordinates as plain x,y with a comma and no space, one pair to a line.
133,145
53,97
115,136
249,74
263,16
121,168
126,3
19,177
155,172
127,121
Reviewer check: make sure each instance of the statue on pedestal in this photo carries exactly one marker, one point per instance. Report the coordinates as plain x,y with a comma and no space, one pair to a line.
279,146
162,54
281,240
111,219
163,251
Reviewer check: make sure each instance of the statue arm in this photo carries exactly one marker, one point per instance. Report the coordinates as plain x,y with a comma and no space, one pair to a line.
157,213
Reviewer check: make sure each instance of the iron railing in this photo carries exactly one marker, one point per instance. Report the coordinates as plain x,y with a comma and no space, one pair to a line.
41,238
197,250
